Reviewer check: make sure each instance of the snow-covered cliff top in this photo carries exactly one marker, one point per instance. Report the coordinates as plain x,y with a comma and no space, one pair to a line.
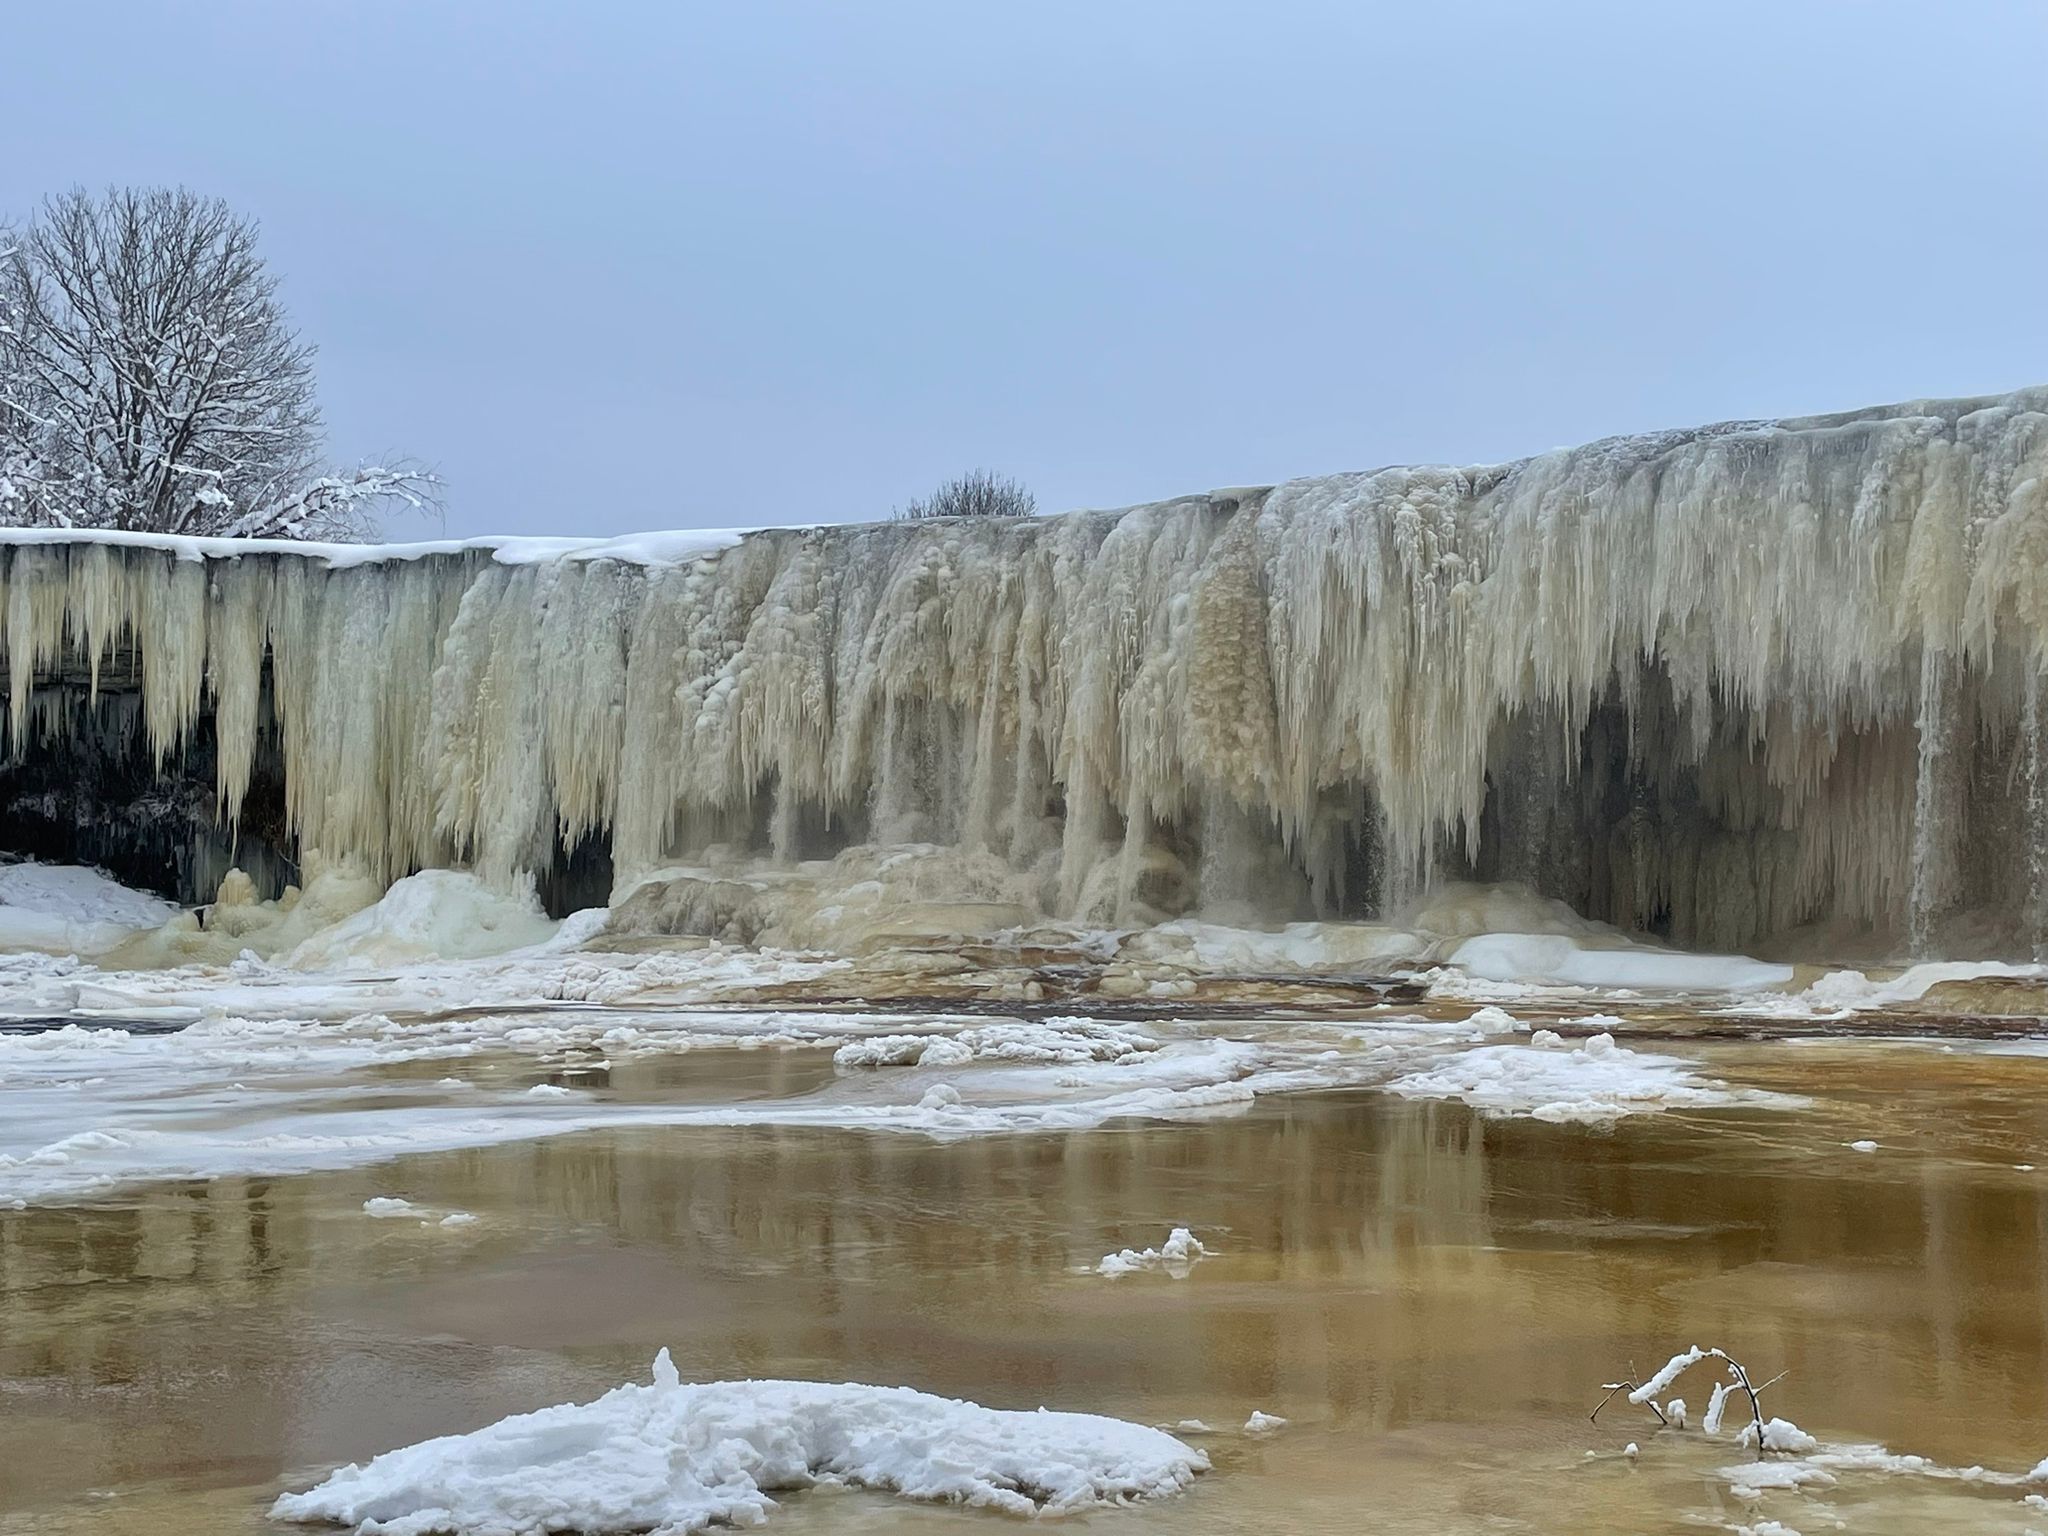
676,547
1617,456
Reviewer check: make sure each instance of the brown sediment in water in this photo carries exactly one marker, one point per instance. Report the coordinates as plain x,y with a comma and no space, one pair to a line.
1431,1298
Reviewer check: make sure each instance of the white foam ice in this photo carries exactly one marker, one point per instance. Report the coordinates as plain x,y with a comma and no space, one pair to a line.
1057,1041
1593,1083
1175,1257
678,1458
1800,1462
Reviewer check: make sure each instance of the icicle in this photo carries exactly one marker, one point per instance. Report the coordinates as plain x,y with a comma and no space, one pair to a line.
1937,785
2035,821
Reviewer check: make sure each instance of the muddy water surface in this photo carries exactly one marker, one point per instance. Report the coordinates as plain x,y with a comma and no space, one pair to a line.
1431,1299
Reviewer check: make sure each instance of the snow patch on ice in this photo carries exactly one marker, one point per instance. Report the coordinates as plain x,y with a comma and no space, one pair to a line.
683,1458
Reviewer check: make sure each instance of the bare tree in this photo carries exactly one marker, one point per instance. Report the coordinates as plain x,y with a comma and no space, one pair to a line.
978,493
150,381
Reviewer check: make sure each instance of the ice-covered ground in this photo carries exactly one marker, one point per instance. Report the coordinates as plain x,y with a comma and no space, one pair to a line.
678,1458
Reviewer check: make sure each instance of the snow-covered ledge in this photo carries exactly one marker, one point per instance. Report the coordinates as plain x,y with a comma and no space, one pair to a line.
675,547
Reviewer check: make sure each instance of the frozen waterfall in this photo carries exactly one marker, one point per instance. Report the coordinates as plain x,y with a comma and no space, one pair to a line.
1713,684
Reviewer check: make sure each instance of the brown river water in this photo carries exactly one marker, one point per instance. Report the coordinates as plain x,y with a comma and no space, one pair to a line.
1431,1298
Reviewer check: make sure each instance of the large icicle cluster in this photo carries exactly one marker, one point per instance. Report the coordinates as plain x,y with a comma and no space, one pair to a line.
1715,683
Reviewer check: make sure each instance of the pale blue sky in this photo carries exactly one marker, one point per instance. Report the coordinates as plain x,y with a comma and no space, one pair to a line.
624,266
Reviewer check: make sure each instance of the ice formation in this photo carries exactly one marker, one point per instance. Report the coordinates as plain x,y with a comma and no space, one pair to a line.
1712,685
679,1458
1176,1257
1594,1083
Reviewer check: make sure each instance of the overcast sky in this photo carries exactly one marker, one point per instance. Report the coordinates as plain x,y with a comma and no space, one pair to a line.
624,266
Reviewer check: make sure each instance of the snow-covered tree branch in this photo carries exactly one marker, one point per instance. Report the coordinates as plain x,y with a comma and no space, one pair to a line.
150,381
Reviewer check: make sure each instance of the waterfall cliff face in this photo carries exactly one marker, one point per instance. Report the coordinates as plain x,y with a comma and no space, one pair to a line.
1714,684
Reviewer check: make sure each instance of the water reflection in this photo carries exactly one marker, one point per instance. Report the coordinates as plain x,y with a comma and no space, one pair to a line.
1397,1278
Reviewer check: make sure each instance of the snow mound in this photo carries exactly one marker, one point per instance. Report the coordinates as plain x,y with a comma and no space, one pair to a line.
1594,1084
1176,1256
80,895
69,908
683,1458
436,914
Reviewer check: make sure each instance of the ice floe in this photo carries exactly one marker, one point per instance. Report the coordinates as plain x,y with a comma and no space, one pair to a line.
683,1458
1593,1083
1179,1254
